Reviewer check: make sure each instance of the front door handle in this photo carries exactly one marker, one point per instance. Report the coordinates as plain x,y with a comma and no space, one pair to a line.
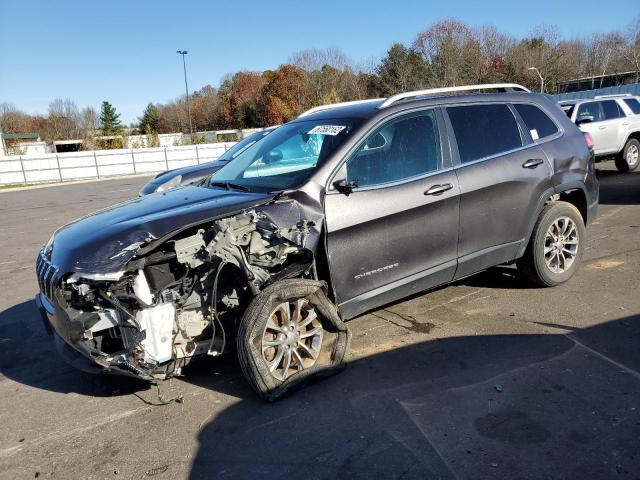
533,163
602,127
439,189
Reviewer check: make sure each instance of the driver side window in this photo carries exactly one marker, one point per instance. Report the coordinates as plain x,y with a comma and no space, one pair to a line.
405,147
590,109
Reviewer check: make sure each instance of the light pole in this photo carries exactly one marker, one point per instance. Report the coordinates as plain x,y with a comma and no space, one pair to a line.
541,78
186,87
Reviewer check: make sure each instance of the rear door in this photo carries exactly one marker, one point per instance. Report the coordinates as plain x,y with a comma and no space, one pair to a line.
617,125
502,175
397,232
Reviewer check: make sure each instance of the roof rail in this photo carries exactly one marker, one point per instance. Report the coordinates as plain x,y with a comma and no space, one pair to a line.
341,104
614,95
463,88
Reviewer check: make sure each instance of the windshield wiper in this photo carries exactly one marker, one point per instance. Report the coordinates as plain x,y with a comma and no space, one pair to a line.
229,186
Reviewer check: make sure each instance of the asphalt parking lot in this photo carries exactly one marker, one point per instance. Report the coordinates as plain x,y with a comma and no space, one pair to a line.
487,378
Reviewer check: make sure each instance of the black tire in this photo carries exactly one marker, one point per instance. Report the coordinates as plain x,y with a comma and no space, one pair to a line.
331,352
533,265
622,162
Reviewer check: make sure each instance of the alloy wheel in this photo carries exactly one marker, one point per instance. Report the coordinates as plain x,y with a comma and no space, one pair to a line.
632,155
292,338
561,245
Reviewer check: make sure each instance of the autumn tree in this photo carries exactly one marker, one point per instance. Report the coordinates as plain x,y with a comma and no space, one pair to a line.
13,120
283,94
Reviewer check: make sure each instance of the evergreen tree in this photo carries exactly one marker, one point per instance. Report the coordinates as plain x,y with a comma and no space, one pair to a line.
401,70
110,119
150,119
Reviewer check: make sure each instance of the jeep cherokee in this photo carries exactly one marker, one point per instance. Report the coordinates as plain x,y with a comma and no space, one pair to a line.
342,210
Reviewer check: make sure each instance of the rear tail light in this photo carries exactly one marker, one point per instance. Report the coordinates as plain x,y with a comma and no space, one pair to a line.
588,140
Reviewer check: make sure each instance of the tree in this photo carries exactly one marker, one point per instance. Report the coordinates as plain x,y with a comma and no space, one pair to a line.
63,121
13,120
110,120
401,70
150,120
449,48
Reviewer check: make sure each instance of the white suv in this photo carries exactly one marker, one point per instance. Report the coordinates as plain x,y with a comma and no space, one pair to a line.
614,125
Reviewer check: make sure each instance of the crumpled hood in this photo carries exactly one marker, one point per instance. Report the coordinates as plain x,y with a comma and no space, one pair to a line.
105,241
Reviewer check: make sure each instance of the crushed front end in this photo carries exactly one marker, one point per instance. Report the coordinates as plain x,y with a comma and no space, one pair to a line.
177,298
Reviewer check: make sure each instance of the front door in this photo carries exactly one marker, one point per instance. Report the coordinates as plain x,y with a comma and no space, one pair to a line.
602,132
397,232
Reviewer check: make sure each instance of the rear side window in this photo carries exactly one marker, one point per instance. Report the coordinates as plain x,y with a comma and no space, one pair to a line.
589,109
538,122
633,104
484,130
611,110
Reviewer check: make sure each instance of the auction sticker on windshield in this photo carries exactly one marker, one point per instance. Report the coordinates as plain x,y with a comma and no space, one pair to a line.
332,130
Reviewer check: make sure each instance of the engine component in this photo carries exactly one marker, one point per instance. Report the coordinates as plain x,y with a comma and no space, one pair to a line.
141,288
158,324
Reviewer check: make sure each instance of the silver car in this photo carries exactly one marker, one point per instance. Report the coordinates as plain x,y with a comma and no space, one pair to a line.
613,121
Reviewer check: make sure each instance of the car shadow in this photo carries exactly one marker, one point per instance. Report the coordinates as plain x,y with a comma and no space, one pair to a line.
498,406
28,356
502,277
619,188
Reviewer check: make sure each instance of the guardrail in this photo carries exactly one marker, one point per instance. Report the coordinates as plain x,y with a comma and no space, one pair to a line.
60,167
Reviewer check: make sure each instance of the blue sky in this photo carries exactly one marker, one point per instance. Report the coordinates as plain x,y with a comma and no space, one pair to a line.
124,51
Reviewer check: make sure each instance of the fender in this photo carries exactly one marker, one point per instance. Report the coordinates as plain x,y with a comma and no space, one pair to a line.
563,187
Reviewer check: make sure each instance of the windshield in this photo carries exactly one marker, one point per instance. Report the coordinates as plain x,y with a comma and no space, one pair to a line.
286,157
243,144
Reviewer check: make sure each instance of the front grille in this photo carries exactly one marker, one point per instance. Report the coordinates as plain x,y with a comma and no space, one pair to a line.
47,275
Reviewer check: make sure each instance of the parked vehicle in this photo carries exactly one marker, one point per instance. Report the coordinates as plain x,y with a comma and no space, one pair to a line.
196,173
613,121
338,212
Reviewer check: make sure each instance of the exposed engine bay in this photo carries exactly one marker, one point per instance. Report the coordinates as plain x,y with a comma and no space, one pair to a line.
182,298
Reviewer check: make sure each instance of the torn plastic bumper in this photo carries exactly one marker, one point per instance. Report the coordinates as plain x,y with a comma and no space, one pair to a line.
77,352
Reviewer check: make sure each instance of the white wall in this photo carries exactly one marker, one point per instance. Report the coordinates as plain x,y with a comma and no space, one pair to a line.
104,163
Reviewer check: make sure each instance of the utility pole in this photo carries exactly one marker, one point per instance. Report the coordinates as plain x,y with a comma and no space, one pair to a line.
186,87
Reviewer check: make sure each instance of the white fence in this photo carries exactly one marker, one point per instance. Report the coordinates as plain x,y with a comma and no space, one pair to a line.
60,167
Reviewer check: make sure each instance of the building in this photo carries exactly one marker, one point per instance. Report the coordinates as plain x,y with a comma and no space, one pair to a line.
597,81
22,144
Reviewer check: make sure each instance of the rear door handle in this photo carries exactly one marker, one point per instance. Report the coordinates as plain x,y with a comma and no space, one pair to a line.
439,189
602,127
533,163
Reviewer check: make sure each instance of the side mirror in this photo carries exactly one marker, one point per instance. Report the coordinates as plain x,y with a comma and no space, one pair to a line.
585,119
344,186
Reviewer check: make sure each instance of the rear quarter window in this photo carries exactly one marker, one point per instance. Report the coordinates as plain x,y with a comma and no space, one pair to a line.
612,110
633,104
484,130
538,123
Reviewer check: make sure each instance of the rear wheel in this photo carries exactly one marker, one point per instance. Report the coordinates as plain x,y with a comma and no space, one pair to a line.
555,247
629,158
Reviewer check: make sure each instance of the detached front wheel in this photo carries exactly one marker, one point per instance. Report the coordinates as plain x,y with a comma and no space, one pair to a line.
290,333
555,247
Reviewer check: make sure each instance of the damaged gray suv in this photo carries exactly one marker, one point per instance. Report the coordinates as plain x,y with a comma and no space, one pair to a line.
347,208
